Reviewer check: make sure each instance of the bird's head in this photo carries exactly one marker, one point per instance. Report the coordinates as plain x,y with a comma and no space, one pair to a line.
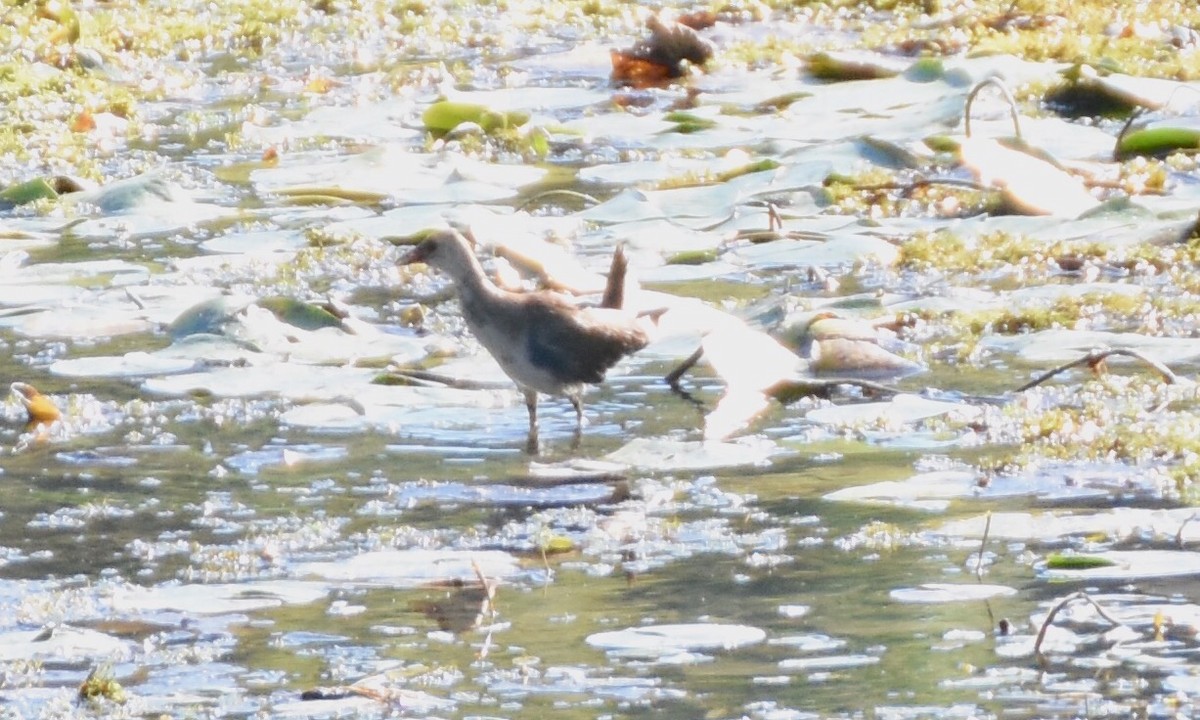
446,250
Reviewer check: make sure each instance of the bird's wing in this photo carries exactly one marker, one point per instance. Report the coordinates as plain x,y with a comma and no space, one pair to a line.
581,344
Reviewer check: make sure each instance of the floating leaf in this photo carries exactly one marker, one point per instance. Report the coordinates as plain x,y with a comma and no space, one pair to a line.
208,317
950,592
1030,185
694,257
779,102
658,640
900,410
756,166
1158,141
301,314
558,544
412,568
330,195
27,192
1072,561
63,643
687,123
1128,565
860,358
1117,90
445,115
854,66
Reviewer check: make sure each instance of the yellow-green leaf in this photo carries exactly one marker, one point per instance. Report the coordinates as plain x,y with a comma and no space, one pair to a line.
1158,141
1061,561
27,192
305,316
445,115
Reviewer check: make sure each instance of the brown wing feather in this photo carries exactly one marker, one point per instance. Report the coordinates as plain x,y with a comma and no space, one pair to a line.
579,345
614,288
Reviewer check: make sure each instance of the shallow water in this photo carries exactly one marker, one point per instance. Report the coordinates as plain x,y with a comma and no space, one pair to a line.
233,519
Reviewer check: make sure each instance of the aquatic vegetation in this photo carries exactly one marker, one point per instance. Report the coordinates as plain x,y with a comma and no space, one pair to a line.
284,481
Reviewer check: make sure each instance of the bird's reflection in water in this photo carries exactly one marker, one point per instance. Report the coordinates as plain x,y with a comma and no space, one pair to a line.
458,610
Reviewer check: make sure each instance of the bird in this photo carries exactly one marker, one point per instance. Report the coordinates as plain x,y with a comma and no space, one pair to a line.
544,341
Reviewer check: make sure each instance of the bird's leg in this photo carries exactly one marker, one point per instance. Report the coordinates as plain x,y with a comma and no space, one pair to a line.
577,403
531,444
675,375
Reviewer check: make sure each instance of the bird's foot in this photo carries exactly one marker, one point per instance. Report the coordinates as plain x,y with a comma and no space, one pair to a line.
532,446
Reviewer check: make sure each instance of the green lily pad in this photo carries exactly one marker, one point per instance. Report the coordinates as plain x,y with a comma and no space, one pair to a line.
1158,141
694,257
301,314
1128,565
27,192
1071,561
687,123
445,115
842,66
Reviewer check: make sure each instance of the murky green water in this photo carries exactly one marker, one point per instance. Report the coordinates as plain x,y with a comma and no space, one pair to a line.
237,520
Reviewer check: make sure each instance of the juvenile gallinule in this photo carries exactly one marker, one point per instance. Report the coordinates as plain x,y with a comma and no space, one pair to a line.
542,340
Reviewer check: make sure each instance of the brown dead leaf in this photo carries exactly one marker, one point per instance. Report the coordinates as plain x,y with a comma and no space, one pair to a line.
40,408
83,122
637,72
661,57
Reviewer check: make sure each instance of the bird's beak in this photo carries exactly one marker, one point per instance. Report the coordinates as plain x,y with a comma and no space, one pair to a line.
416,255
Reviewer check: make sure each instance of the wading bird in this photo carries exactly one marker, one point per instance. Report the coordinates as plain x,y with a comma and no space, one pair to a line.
542,340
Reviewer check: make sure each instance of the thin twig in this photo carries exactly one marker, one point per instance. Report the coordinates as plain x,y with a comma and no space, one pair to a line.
1095,356
1012,104
1182,525
908,187
987,528
489,588
1133,116
558,191
1037,645
789,389
774,220
426,378
133,298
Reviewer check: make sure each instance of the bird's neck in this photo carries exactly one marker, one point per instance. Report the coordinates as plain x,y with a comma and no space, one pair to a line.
470,279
